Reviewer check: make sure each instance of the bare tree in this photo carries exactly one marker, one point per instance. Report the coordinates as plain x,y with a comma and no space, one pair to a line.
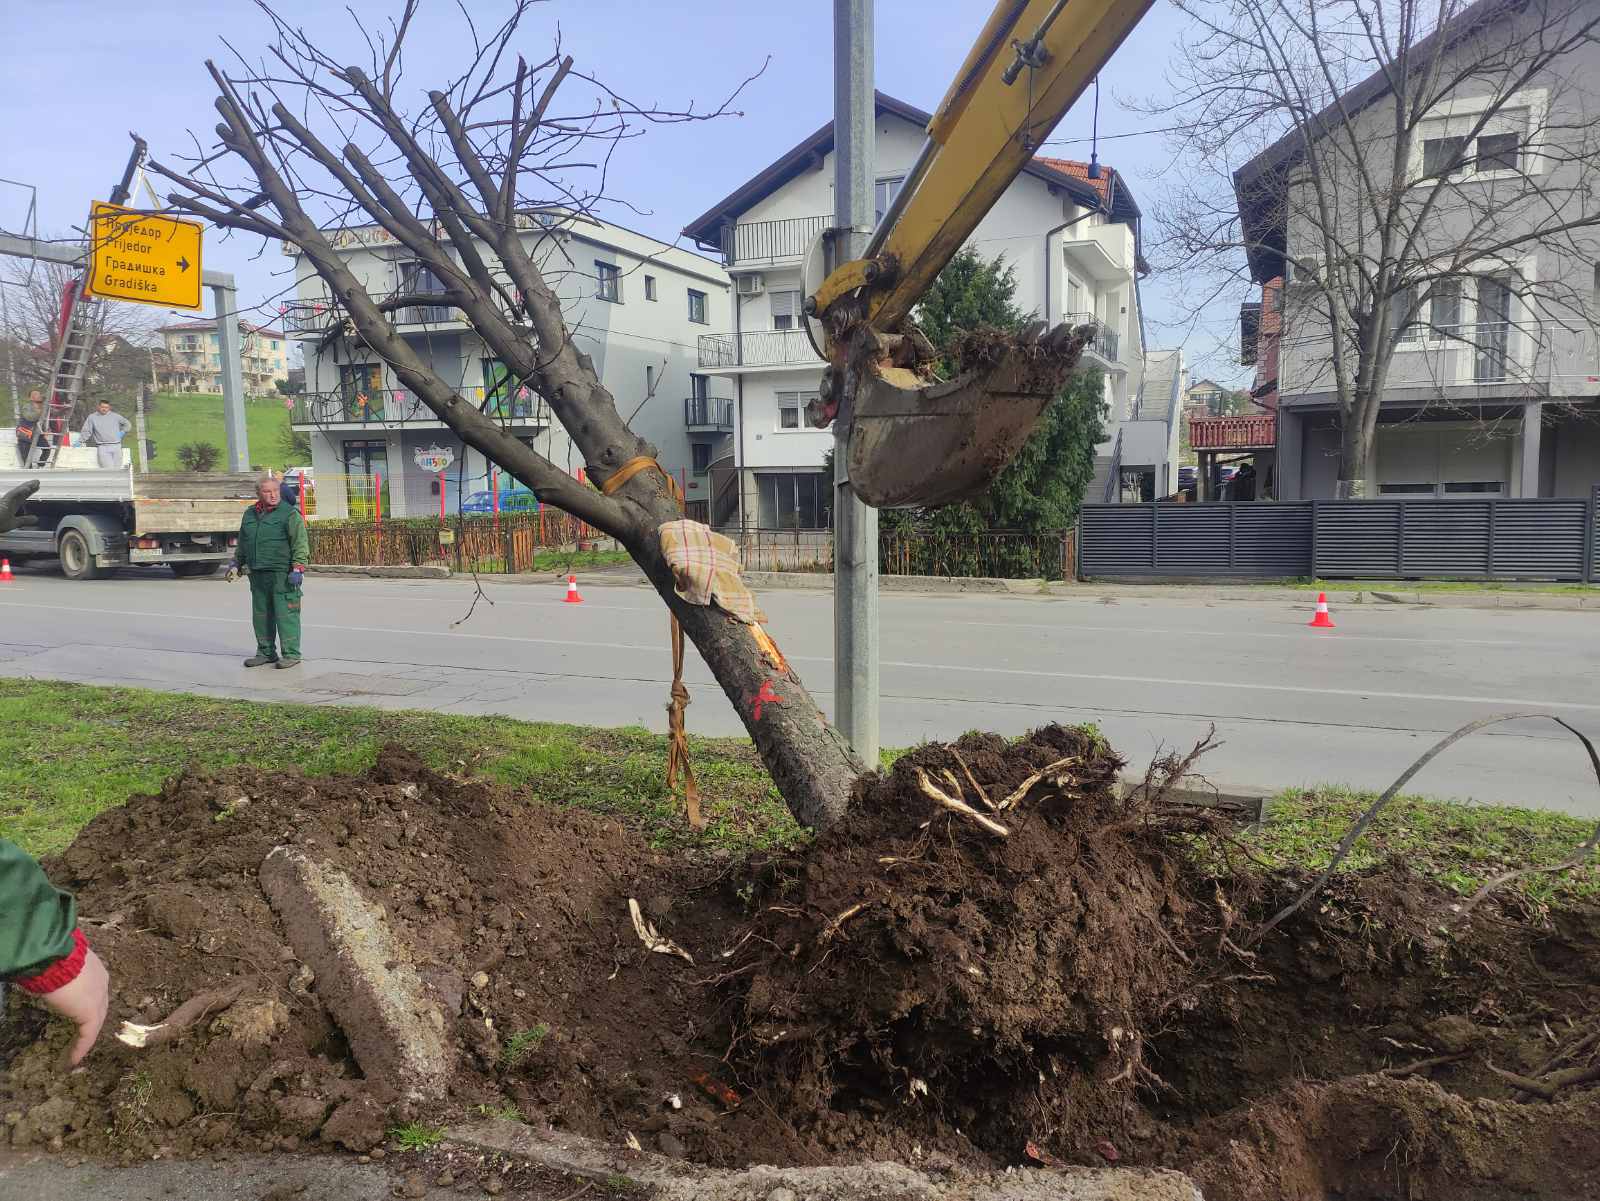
474,183
1424,173
120,362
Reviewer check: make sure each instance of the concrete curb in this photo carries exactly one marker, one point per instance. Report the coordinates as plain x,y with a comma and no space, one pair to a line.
381,573
1247,804
675,1180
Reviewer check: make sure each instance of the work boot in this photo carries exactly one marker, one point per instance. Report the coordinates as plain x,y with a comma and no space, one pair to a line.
286,664
260,660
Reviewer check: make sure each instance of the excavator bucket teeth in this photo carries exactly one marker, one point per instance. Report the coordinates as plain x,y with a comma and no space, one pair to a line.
919,444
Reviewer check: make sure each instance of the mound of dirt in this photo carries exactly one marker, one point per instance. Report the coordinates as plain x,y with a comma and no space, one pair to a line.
999,959
994,972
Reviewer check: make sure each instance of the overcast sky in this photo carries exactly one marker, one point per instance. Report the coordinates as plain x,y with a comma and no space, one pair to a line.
78,75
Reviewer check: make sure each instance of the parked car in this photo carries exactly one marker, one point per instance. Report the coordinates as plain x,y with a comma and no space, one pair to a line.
512,500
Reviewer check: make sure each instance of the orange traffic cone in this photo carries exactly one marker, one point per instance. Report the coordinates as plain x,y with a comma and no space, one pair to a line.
572,591
1322,621
5,572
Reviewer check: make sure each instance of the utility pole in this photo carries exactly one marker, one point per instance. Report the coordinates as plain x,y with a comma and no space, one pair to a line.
225,303
139,428
855,525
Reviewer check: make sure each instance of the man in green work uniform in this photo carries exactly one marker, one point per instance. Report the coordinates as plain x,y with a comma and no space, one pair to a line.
273,550
42,950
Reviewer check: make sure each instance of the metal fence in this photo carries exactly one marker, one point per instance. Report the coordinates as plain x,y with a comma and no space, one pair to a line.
997,554
1543,538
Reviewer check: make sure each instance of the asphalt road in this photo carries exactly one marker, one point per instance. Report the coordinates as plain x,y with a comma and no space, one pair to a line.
1291,706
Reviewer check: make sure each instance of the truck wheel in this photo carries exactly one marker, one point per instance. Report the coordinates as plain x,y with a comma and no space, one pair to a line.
186,570
77,561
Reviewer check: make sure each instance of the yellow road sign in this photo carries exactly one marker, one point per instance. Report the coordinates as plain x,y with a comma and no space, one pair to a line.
145,258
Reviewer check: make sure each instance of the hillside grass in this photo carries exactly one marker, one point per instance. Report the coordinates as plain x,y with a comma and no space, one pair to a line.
177,419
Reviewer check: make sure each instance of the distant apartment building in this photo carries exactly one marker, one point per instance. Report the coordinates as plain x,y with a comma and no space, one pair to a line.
634,305
1069,232
193,360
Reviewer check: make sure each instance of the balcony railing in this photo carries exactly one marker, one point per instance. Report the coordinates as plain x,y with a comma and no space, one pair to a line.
313,318
395,406
1105,343
757,348
764,241
1251,431
708,413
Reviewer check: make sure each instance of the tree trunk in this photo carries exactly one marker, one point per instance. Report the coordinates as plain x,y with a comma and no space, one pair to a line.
810,762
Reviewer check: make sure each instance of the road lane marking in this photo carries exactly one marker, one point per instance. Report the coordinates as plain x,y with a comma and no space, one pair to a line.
1092,677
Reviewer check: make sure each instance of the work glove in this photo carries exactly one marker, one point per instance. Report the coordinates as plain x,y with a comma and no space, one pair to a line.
297,577
233,571
11,502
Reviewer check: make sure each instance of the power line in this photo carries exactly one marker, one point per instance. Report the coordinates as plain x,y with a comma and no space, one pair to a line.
1106,137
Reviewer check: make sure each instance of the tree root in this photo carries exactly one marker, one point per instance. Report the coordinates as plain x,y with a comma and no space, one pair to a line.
955,805
1422,1065
181,1018
1548,1087
1021,790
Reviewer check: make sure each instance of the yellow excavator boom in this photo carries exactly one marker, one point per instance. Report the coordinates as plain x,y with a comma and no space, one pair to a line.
915,440
1033,59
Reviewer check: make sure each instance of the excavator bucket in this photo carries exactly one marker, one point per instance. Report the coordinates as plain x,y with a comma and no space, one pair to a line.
920,443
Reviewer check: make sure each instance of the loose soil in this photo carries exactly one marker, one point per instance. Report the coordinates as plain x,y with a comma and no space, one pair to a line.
911,985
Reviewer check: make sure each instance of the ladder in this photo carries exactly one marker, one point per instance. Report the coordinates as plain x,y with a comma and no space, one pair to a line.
80,328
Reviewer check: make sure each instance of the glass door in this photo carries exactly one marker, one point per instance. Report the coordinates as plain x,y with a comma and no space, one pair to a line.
366,475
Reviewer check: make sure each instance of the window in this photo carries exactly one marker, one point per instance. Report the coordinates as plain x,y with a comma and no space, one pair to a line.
697,307
1405,489
503,394
1441,156
608,281
791,409
701,453
785,309
649,287
649,379
884,192
1460,486
1445,317
1402,321
1499,152
792,500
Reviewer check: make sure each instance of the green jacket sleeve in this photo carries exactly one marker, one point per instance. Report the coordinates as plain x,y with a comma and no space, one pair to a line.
36,918
302,540
241,552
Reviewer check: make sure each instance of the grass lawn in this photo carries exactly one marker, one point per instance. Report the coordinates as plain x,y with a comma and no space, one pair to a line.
67,751
176,419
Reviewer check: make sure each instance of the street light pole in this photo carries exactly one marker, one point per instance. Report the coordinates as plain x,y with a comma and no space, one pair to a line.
855,525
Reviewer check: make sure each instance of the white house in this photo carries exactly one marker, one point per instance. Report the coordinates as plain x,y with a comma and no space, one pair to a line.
635,305
1072,240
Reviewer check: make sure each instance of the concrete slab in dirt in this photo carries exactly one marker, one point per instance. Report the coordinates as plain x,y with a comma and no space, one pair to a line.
240,1178
677,1181
395,1027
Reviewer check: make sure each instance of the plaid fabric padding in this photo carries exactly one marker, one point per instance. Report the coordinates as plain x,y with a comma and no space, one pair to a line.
705,566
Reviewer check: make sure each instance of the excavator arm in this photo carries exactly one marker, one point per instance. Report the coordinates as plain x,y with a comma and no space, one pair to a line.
916,440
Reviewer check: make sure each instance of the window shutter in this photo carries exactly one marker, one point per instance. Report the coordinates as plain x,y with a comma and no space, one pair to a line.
785,304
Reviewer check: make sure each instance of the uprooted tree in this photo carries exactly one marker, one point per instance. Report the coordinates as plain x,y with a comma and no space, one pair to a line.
477,183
